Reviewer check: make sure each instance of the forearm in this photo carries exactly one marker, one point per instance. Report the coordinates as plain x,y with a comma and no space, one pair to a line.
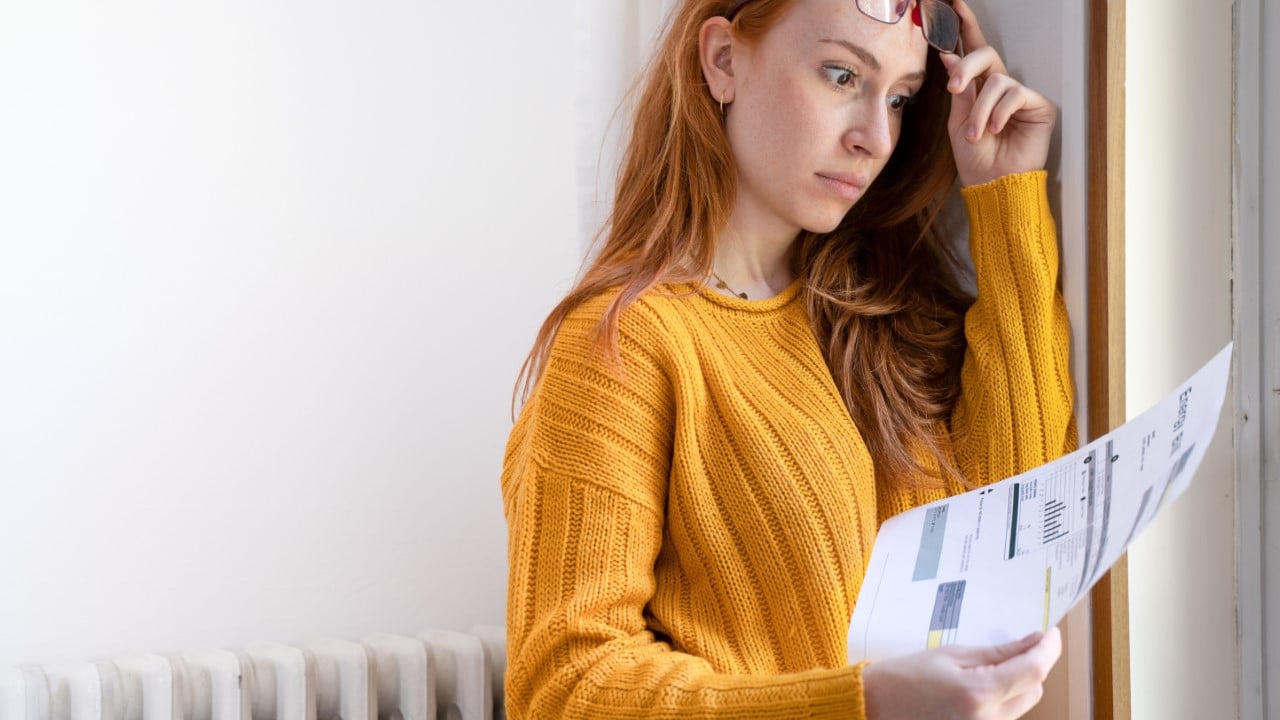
1016,406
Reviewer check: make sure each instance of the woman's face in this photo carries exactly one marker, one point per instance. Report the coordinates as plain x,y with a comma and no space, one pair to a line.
816,112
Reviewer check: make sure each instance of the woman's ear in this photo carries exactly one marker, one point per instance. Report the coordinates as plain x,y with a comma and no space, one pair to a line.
715,48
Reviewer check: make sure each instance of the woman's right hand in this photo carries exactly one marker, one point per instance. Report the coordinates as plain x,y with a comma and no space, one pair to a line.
962,683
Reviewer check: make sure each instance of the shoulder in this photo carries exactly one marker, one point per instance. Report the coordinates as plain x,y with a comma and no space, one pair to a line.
656,304
652,324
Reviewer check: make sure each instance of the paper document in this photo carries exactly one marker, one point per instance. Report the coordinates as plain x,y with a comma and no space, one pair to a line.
994,564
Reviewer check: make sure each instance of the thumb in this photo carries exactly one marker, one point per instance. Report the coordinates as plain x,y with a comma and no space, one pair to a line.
961,101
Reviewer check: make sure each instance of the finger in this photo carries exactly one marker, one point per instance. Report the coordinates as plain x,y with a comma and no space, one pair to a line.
993,92
1023,672
1024,103
979,64
1010,103
961,104
1001,98
994,655
949,61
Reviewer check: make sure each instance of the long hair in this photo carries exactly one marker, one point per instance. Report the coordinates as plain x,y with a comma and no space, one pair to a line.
882,290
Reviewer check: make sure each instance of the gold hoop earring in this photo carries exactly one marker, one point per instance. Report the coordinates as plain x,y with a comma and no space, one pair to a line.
722,102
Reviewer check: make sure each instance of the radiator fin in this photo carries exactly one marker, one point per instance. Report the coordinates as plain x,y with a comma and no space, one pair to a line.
406,680
437,675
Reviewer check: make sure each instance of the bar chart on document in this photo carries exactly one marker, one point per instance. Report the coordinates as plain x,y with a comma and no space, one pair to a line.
996,563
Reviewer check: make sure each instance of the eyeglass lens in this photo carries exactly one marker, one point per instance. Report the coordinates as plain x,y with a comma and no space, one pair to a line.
887,11
938,22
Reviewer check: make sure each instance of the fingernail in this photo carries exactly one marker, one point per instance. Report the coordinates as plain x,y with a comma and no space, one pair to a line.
954,84
971,131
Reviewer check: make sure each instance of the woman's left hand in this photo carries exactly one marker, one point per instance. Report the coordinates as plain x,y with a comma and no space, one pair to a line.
998,125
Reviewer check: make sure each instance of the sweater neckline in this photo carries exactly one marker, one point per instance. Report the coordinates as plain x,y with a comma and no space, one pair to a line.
764,305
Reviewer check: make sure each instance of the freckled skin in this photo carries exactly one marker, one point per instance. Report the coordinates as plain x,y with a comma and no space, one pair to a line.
791,119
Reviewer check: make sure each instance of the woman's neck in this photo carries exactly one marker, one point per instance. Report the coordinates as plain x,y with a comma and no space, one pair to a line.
753,265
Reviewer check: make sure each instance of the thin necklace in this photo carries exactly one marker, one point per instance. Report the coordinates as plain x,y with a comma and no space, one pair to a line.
722,285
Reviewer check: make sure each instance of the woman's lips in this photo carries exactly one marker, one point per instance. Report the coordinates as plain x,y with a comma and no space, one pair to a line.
848,187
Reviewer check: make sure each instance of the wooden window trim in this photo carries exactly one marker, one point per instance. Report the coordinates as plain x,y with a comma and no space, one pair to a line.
1106,411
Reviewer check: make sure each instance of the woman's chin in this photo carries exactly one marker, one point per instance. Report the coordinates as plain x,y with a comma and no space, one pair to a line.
827,222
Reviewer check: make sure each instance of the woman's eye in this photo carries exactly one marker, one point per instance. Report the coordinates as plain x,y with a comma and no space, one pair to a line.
898,103
840,76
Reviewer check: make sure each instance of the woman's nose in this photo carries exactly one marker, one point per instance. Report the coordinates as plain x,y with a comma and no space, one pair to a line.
871,132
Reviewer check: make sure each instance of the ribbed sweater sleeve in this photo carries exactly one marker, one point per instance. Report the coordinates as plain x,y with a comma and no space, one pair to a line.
1015,410
584,489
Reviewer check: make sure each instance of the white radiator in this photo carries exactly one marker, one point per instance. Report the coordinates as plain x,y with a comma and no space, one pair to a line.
434,676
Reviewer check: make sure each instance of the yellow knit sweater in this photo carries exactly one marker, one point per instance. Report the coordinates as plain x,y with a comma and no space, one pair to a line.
687,540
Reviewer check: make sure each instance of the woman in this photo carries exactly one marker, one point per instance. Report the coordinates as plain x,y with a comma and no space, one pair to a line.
770,354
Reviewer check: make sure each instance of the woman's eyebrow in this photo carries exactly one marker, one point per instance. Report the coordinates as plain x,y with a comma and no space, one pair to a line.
862,53
865,56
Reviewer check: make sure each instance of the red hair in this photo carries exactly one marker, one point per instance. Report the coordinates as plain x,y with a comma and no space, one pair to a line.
882,290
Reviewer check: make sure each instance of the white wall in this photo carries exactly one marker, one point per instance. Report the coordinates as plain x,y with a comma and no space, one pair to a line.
267,272
615,40
1178,308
